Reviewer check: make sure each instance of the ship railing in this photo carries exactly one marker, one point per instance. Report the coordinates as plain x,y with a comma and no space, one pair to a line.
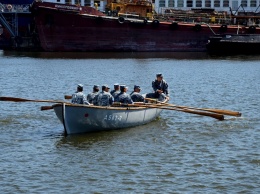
200,15
14,8
129,15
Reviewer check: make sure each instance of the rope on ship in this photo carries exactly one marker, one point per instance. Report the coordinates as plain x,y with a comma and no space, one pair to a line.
210,28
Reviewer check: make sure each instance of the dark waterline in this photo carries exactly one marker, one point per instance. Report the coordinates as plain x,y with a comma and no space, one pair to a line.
124,55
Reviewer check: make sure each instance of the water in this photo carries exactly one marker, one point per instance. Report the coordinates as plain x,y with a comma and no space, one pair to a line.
177,153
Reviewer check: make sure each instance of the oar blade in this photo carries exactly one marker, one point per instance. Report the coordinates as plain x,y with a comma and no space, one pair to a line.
46,107
13,99
213,115
225,112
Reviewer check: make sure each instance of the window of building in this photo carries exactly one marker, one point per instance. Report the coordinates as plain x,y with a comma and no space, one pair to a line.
180,3
217,3
189,3
68,1
253,3
77,2
226,3
171,3
244,3
87,2
198,3
162,3
207,3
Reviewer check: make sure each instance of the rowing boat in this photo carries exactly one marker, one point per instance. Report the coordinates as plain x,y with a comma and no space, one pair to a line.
79,118
83,119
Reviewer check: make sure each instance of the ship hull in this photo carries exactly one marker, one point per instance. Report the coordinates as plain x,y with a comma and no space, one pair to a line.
71,30
234,44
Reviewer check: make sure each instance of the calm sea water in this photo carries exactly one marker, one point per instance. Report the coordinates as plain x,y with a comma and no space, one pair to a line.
177,153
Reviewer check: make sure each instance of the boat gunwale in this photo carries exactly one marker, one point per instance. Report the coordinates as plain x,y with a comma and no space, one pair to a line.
108,107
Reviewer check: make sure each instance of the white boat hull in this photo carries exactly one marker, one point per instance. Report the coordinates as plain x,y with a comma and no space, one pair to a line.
83,119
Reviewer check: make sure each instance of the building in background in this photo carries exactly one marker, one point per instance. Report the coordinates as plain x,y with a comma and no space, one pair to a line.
161,5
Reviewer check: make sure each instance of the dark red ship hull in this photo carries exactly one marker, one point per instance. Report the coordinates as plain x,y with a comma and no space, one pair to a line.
71,28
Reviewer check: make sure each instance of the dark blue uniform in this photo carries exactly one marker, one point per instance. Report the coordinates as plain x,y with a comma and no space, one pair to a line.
137,97
79,98
124,98
103,99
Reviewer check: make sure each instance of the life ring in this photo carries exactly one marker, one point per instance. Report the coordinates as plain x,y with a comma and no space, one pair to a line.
121,20
9,6
197,27
223,28
174,26
251,29
156,23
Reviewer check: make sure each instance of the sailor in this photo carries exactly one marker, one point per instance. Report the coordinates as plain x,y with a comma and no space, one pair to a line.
160,88
116,90
136,96
104,98
123,97
91,96
79,97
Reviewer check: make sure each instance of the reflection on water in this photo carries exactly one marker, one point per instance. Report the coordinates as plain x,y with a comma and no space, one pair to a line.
86,140
90,139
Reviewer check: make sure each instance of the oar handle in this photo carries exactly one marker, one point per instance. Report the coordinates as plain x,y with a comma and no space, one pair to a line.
67,97
213,115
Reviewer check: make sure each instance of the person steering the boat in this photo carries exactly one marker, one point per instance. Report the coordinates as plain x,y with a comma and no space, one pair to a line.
123,97
79,97
136,96
160,88
104,98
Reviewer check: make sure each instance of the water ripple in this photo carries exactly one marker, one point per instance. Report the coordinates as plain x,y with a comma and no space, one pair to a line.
177,153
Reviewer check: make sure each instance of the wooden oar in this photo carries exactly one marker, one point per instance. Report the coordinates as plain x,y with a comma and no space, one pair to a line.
67,97
13,99
213,115
46,107
219,111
